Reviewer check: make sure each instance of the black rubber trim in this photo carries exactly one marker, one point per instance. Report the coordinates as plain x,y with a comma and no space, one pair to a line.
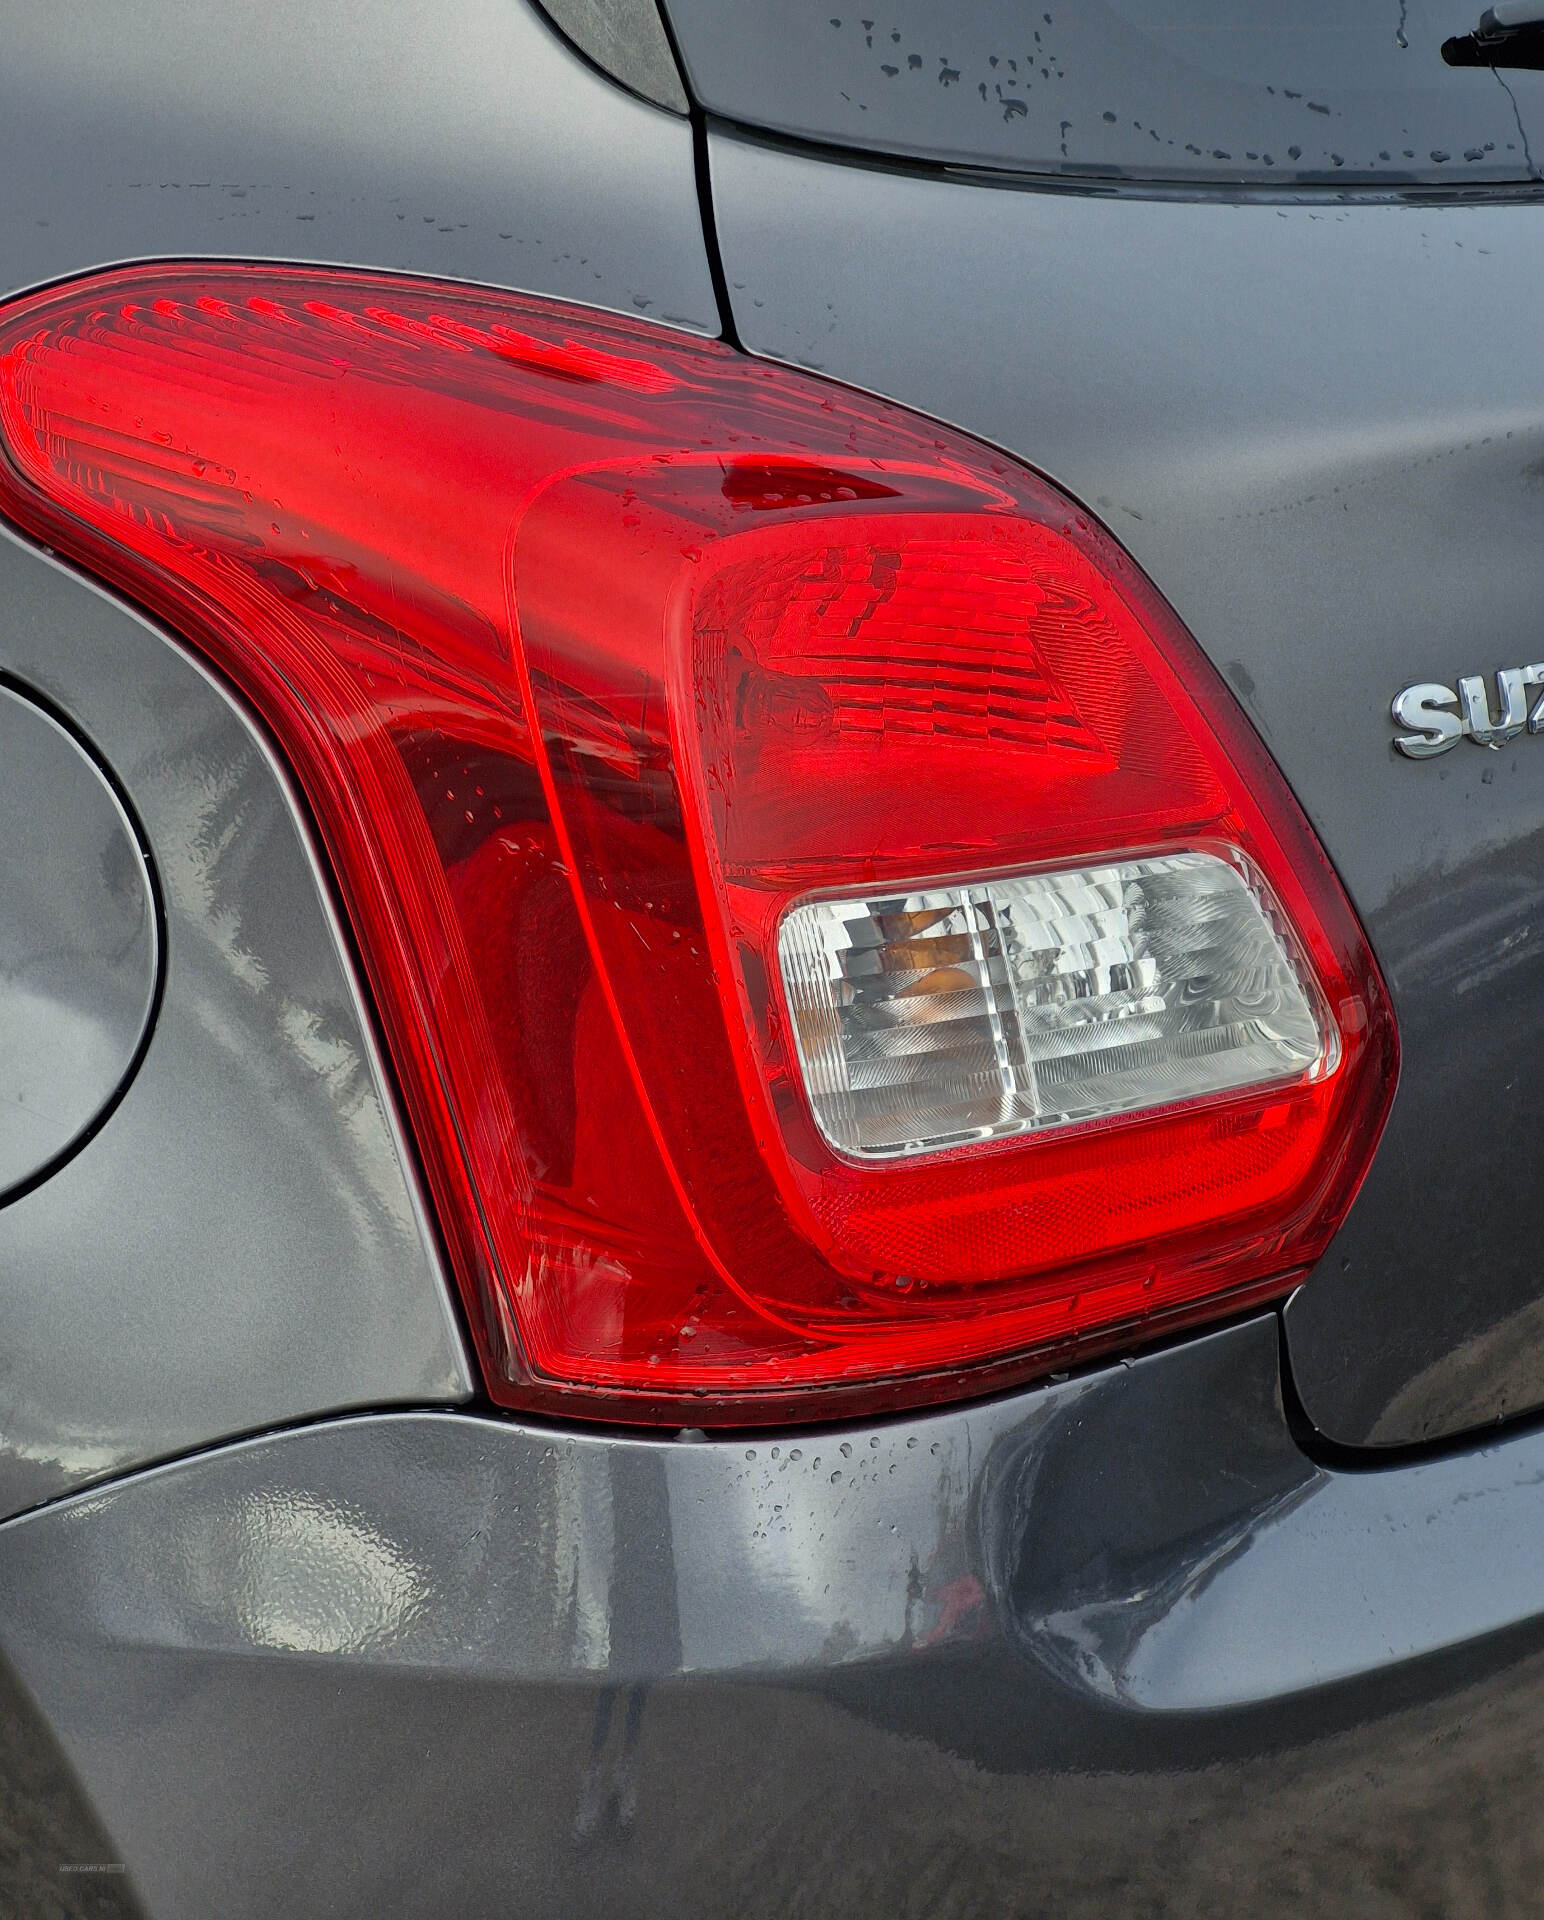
1116,187
702,163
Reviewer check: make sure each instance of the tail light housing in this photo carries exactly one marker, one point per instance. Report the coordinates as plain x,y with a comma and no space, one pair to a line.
838,941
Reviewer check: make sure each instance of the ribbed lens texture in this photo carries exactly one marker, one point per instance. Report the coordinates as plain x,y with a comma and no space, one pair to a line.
928,1019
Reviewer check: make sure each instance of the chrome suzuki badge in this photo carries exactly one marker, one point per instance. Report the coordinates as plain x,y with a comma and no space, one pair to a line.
1438,717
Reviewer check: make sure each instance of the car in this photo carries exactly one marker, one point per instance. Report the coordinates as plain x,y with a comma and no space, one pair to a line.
771,838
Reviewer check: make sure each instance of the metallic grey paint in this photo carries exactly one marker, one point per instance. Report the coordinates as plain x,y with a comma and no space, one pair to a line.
78,942
242,1243
1320,428
1188,91
1113,1640
52,1847
1115,1645
464,139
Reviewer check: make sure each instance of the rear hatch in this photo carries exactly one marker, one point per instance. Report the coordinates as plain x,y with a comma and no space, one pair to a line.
1261,288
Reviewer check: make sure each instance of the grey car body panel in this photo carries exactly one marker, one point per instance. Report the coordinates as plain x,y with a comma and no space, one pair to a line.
241,1243
79,951
1320,428
1117,1643
464,139
1082,1643
1318,90
53,1850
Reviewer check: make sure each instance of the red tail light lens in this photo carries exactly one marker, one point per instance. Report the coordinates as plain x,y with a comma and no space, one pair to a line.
831,926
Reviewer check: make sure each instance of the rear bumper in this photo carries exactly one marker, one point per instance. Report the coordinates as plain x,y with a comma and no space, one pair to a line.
1116,1640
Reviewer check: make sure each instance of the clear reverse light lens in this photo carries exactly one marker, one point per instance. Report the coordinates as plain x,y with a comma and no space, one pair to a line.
970,1012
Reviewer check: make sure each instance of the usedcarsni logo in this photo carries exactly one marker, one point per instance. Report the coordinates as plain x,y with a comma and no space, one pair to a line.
1438,717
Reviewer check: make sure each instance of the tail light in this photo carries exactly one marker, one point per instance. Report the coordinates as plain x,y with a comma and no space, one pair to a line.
839,943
